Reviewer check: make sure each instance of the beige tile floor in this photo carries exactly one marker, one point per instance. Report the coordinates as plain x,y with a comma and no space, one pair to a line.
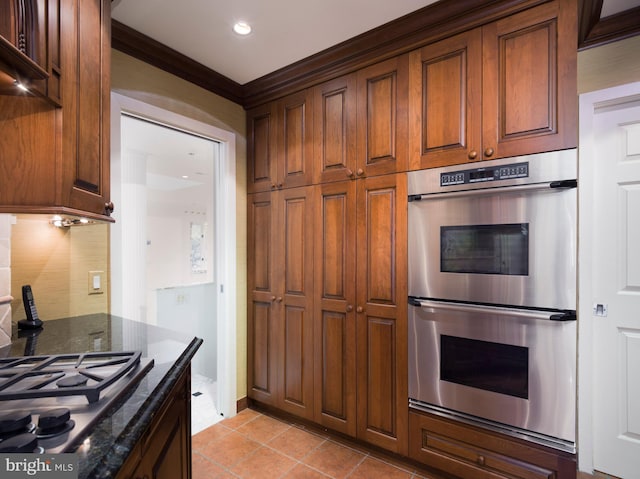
254,445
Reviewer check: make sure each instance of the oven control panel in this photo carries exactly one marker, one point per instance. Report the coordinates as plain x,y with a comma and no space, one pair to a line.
479,175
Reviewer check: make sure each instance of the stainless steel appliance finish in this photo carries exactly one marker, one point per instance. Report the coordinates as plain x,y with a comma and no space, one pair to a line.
492,285
24,390
512,369
500,233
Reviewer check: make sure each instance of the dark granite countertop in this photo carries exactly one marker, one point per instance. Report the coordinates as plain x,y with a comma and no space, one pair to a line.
106,448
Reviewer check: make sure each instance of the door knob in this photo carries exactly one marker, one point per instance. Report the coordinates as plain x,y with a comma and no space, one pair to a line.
489,151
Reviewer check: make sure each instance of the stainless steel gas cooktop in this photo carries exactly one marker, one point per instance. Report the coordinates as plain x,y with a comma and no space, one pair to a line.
48,403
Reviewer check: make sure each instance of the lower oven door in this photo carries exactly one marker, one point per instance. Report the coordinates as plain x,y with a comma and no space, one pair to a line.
512,368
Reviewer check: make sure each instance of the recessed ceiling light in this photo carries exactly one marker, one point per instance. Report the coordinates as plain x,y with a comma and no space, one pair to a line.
242,28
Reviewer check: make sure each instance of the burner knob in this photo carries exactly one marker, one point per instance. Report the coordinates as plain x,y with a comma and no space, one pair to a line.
53,418
14,421
24,442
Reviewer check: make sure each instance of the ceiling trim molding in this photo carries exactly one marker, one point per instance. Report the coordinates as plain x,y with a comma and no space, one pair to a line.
429,24
142,47
595,31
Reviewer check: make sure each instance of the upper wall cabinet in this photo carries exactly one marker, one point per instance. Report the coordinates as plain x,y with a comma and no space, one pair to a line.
86,126
30,48
335,129
382,101
280,143
505,89
55,153
360,123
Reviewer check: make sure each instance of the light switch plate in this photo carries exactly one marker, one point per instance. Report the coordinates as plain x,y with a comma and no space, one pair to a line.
96,282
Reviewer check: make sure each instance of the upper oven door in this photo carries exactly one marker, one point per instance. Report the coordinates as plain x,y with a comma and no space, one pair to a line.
505,245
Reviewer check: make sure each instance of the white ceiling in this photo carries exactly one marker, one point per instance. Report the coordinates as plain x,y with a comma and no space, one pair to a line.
284,31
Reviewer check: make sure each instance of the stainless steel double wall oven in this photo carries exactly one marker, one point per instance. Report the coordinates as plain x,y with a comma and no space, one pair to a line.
492,285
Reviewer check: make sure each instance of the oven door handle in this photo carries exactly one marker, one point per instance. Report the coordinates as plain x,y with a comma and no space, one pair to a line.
498,310
554,185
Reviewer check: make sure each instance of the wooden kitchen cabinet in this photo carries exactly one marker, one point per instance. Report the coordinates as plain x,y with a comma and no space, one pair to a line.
468,452
164,452
334,307
30,48
280,143
361,122
86,108
382,117
334,129
56,152
280,284
505,89
360,310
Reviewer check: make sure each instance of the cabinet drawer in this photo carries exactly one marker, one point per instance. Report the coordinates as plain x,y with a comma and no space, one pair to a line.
469,452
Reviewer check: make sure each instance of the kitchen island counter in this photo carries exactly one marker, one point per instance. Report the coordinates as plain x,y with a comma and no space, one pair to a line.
108,444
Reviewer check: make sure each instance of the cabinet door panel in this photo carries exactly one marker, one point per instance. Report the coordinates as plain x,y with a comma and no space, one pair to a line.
261,276
86,107
335,363
262,335
445,101
529,83
334,307
171,462
526,80
382,117
295,348
335,129
380,237
295,385
295,142
381,376
381,312
261,149
89,81
261,218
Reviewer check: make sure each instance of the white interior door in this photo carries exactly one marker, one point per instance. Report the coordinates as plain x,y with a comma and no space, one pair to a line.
610,210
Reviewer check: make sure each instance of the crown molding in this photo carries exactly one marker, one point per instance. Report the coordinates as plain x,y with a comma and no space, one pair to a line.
142,47
429,24
594,31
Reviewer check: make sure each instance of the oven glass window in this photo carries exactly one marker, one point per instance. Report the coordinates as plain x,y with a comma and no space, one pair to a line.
501,368
485,249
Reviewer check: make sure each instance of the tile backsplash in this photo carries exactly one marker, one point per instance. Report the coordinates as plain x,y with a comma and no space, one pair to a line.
5,278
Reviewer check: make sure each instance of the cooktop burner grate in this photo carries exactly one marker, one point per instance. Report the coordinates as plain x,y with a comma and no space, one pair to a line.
64,374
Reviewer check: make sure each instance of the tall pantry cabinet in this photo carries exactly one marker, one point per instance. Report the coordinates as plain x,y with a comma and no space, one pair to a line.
329,163
342,363
280,257
360,309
